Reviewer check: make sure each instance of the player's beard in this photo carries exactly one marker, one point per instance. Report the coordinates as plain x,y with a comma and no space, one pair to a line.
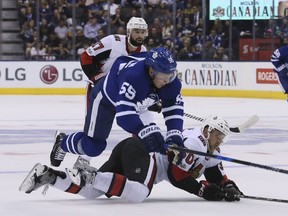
135,42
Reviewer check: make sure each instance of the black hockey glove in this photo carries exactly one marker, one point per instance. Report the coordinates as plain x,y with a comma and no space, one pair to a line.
231,191
152,138
157,107
210,191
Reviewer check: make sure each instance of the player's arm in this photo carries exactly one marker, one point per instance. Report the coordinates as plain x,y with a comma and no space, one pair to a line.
216,174
172,110
91,59
183,180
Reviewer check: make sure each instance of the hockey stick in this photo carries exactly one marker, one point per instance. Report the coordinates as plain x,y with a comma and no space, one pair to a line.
263,198
250,122
219,157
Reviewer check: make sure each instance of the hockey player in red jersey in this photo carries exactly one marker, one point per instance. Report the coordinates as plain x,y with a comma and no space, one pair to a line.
131,171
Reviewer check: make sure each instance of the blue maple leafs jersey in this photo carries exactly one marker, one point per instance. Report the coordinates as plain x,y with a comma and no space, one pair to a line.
130,89
280,61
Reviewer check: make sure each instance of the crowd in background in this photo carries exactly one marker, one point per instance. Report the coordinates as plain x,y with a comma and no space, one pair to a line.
93,22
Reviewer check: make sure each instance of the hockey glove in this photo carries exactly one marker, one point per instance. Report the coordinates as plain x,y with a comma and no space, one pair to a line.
210,191
232,191
175,138
152,138
157,107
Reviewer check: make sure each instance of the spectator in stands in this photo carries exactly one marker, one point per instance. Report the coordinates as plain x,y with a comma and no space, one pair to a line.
220,55
272,29
45,10
167,29
187,30
208,51
188,52
61,30
79,38
117,20
63,9
37,51
95,9
81,13
157,37
149,15
168,44
156,25
91,29
112,6
44,30
53,41
197,16
137,3
22,16
56,17
189,12
215,38
284,27
179,19
198,38
121,30
150,44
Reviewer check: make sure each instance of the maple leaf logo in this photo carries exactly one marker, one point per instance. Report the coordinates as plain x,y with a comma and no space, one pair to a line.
218,12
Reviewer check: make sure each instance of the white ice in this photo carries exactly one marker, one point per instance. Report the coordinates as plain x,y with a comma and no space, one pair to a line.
28,124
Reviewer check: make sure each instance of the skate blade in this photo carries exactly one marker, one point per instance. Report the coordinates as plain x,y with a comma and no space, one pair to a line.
27,183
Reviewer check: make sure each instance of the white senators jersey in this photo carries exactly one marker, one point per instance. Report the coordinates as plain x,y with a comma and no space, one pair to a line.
103,53
193,164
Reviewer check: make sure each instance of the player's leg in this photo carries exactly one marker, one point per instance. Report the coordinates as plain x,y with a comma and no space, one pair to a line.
41,175
92,141
134,178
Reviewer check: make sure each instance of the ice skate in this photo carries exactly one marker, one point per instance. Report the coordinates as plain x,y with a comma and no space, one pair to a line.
83,164
39,176
57,154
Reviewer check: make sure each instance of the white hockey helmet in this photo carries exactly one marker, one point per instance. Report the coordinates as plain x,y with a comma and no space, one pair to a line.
215,122
136,23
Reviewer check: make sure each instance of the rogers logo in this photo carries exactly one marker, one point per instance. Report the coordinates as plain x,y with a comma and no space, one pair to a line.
266,76
49,74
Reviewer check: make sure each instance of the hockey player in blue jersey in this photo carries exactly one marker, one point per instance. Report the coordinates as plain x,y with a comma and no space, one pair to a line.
132,85
280,61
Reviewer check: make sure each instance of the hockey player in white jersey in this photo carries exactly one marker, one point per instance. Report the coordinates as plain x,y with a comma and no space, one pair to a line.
96,61
131,171
132,85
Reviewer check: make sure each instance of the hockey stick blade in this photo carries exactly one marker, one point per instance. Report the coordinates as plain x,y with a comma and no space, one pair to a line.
219,157
249,123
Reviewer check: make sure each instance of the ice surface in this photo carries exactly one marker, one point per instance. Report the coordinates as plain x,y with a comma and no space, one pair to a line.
28,124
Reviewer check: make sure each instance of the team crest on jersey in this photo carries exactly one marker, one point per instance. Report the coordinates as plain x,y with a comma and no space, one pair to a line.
147,102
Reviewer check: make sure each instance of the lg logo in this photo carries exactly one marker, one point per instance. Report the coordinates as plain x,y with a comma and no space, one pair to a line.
49,74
